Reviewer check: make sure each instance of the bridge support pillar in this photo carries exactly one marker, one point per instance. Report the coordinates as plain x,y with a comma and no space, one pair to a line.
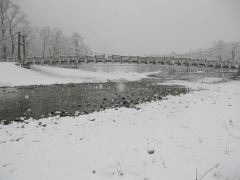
21,43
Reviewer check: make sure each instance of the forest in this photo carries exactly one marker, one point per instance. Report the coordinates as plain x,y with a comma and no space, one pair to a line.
44,41
49,41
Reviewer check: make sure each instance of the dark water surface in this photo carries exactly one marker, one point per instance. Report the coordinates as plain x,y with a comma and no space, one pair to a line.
73,99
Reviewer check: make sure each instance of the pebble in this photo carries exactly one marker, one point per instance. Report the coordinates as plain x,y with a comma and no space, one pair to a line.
150,151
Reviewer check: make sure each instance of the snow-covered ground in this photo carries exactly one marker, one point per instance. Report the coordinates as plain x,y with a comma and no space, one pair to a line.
12,75
181,137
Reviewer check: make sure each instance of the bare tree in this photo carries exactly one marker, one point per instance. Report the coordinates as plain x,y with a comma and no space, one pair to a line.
31,42
234,48
57,42
218,49
77,41
44,42
45,36
15,18
4,6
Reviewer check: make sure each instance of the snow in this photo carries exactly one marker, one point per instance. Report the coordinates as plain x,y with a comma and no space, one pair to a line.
199,131
12,75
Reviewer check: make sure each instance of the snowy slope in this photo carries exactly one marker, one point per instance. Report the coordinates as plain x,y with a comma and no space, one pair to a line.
12,75
200,130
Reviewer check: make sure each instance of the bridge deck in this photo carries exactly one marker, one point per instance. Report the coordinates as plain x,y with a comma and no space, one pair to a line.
132,59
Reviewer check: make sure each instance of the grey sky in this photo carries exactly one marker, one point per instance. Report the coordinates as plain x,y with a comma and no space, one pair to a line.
140,26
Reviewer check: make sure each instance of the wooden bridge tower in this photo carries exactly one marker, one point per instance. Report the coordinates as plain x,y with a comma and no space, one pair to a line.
21,45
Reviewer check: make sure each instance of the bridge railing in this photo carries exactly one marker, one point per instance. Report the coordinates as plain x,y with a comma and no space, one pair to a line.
131,59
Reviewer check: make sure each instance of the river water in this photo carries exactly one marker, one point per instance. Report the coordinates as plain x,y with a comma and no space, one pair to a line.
19,103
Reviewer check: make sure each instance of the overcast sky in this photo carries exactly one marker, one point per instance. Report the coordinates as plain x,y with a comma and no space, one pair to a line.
140,27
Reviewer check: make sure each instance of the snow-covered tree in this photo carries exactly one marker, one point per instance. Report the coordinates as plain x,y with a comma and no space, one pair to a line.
77,41
38,42
15,19
4,7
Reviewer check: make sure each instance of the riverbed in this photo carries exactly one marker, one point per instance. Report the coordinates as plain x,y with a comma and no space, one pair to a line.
38,101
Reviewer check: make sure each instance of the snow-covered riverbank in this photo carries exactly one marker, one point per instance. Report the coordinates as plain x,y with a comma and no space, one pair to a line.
169,139
12,75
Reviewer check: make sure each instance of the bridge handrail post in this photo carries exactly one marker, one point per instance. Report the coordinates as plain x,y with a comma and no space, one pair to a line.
59,59
156,60
221,64
236,65
171,60
229,65
180,62
68,59
95,58
189,61
104,58
138,59
214,63
147,59
197,61
112,56
164,60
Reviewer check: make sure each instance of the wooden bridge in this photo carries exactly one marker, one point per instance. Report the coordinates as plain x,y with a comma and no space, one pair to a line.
27,62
